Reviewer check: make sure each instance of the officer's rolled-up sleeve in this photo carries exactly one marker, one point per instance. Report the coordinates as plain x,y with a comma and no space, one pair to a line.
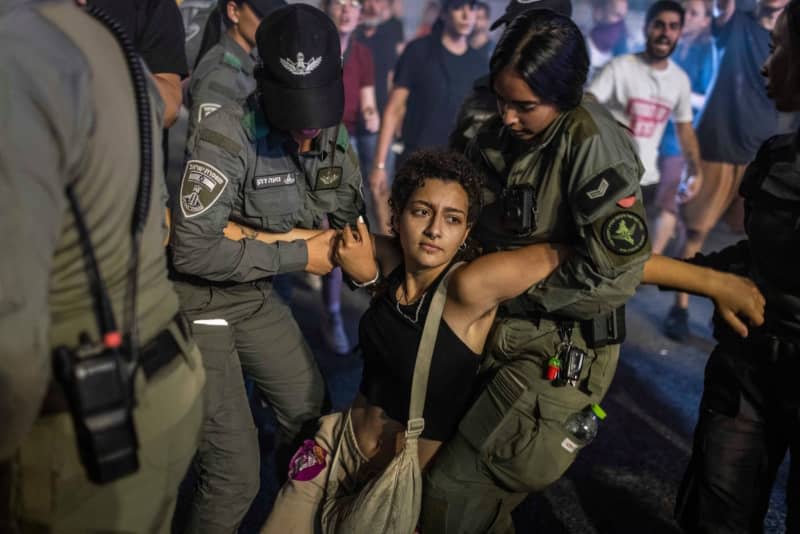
606,264
45,98
350,194
213,175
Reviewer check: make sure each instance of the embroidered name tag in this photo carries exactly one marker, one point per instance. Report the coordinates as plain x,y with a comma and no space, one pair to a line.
328,178
274,180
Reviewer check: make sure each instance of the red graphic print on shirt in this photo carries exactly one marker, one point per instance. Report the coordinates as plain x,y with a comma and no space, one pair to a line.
645,115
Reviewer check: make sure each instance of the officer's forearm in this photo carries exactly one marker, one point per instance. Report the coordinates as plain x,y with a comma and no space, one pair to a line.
222,259
237,231
679,275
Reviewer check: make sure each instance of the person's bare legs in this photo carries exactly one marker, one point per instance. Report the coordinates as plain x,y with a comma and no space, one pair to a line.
664,229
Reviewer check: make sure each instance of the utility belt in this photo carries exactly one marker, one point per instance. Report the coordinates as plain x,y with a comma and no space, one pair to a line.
202,282
598,332
153,356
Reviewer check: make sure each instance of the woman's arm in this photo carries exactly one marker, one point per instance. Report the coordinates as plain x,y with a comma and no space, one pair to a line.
237,231
363,255
481,285
733,295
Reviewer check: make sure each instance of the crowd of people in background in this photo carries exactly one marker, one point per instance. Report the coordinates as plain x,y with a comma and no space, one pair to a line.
523,145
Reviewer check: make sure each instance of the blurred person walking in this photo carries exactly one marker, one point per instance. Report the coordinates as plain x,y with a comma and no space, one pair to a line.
644,90
737,118
698,57
359,111
481,39
433,76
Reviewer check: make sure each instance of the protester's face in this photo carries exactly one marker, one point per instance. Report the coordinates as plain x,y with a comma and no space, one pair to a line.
345,14
375,9
461,20
246,21
433,223
782,68
613,11
523,112
481,20
662,34
697,18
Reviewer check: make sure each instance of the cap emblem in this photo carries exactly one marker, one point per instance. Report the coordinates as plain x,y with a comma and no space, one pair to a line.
300,67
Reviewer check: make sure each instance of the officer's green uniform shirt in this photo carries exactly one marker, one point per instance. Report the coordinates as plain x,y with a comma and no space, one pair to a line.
587,191
224,77
241,169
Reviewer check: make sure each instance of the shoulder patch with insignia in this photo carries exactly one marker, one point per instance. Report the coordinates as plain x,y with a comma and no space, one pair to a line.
328,178
624,233
206,109
608,184
201,186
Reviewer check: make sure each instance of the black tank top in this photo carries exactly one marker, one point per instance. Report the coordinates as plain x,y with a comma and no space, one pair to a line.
390,335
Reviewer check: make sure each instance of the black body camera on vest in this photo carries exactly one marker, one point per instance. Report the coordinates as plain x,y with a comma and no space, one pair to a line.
98,383
519,209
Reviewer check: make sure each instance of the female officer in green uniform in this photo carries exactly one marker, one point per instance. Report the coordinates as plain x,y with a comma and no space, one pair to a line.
558,170
224,73
280,163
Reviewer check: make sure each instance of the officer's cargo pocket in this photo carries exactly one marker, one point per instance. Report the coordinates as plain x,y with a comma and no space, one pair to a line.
524,449
489,412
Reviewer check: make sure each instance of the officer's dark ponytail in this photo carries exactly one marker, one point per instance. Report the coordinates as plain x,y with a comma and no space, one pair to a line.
548,51
212,33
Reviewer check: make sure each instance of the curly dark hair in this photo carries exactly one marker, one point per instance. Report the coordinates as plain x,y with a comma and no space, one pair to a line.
440,164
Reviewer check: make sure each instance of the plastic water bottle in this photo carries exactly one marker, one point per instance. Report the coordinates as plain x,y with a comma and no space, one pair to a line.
582,427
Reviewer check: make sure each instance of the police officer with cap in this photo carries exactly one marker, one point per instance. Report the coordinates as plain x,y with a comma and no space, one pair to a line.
224,73
100,415
280,164
480,105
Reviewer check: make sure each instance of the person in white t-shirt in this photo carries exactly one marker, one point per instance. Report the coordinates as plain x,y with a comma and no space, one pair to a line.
643,90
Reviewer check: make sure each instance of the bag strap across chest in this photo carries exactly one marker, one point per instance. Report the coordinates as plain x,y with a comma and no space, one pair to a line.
422,367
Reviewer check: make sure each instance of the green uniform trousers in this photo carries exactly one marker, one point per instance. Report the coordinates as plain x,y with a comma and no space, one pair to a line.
245,327
49,491
510,442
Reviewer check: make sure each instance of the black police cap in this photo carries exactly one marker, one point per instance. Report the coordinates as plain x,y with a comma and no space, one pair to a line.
517,7
301,71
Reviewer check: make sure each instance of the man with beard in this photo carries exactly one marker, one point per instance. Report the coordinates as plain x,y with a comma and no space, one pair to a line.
643,90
